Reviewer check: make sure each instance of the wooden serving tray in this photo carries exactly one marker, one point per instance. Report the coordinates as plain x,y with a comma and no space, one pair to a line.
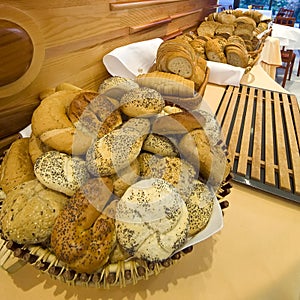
262,131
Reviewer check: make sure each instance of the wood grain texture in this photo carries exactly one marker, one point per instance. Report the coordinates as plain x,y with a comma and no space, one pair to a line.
75,35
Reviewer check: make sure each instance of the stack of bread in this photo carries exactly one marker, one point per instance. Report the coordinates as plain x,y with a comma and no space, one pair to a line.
111,175
219,32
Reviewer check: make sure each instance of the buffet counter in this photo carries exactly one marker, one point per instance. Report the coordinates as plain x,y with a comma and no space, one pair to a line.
255,256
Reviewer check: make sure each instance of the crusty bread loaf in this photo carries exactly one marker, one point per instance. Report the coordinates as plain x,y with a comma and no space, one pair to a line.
178,123
167,84
214,50
17,166
36,148
82,236
145,228
29,212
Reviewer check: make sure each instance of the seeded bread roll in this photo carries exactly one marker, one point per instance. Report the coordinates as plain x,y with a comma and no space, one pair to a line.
118,149
151,220
17,166
61,172
199,203
29,211
82,236
142,102
117,86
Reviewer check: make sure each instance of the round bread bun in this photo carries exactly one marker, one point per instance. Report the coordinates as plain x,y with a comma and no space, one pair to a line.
17,166
199,204
117,149
142,102
61,172
116,86
50,123
151,220
29,211
82,236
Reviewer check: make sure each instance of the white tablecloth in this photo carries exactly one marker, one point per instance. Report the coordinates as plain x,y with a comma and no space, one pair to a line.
288,36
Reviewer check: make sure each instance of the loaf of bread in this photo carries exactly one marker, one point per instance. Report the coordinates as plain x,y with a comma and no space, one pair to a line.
29,211
82,236
167,84
17,166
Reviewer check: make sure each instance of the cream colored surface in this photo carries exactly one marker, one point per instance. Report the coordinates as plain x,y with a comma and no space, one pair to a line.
254,257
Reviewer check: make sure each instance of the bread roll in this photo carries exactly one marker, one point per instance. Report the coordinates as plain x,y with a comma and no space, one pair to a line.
17,166
61,172
178,123
117,86
29,211
142,102
36,148
151,220
199,203
118,149
82,236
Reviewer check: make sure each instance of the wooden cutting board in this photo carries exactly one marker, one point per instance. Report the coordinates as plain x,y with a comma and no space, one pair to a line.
262,131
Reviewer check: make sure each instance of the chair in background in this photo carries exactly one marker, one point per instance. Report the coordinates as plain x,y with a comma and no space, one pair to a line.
284,12
287,56
256,6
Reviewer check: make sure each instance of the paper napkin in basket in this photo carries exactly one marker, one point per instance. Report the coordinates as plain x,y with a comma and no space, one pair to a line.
224,74
133,59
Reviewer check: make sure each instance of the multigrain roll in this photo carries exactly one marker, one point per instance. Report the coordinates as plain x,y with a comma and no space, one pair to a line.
61,172
29,211
17,166
82,236
145,228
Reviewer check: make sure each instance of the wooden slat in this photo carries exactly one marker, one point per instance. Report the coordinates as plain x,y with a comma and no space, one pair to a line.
283,171
243,158
292,140
257,143
138,4
271,126
138,28
269,141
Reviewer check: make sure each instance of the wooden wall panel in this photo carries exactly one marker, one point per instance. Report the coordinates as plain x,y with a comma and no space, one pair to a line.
71,37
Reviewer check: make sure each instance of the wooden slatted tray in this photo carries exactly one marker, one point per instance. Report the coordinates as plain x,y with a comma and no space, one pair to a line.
262,131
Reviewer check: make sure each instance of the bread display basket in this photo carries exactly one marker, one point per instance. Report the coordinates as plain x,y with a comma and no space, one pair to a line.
128,270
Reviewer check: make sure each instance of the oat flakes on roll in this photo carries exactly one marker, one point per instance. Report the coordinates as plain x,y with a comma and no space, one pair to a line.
61,172
29,212
151,220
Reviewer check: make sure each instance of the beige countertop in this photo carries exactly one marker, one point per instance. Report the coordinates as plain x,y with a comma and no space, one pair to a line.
256,255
